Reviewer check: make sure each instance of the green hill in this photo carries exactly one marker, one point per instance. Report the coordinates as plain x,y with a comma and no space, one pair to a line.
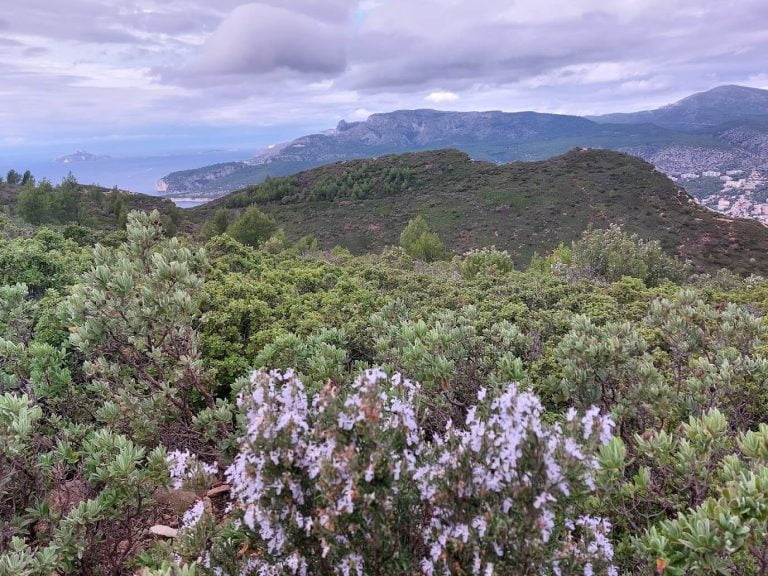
524,207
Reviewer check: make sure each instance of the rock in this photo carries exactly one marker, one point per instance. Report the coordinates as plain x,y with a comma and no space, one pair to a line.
67,496
213,492
163,531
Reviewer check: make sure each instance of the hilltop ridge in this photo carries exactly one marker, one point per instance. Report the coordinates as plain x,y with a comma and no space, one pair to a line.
701,110
524,207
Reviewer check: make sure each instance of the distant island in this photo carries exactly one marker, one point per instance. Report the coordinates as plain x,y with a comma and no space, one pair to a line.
81,156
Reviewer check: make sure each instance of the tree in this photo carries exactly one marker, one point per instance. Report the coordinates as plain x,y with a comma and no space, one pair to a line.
35,203
27,179
252,227
68,200
217,225
118,205
420,242
13,177
611,253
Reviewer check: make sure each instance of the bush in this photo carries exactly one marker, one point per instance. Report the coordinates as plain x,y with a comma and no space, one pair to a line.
134,318
610,254
488,261
350,483
421,243
252,227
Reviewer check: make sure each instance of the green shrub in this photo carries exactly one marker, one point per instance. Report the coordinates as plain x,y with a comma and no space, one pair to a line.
488,261
421,243
252,227
610,254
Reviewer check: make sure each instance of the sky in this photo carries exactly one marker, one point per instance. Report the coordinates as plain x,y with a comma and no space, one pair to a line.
147,76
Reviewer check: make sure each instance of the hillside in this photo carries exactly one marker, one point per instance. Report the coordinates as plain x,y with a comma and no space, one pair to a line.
702,110
524,207
93,206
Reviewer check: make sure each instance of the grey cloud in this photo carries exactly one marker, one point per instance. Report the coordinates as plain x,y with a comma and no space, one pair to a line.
261,38
35,51
335,11
229,61
407,46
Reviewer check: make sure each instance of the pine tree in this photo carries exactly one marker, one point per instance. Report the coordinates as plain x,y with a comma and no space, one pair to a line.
252,227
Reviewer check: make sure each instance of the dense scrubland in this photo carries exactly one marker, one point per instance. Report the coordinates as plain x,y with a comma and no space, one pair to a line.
181,405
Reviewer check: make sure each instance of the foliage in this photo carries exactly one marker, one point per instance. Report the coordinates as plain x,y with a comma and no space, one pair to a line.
252,227
44,260
610,254
348,483
134,318
217,225
609,366
122,357
420,242
486,261
521,207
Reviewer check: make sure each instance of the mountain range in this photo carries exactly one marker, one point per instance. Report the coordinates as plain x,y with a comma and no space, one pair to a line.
700,111
723,129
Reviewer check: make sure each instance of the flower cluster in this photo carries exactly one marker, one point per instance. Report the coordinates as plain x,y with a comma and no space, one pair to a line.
500,489
185,469
309,477
351,483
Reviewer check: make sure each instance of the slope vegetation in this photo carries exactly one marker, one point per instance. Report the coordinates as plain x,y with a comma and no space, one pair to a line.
87,205
524,207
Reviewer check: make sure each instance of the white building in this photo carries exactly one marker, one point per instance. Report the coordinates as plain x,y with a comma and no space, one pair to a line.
711,174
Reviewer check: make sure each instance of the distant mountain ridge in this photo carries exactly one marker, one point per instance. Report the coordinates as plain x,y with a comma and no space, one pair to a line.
702,110
724,128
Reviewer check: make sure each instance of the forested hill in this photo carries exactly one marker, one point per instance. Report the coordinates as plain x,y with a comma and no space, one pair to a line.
524,207
88,206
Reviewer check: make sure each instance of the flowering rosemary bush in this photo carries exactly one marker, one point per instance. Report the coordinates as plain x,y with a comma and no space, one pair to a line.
352,483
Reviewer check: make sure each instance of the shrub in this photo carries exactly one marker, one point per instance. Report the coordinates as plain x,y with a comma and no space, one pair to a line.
252,227
351,483
134,318
216,225
610,254
488,261
420,242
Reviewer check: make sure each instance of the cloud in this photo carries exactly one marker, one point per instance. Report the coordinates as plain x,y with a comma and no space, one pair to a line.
260,38
9,42
118,65
360,114
441,97
36,51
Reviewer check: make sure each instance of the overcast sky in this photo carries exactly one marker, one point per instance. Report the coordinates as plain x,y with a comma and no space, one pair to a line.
115,74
